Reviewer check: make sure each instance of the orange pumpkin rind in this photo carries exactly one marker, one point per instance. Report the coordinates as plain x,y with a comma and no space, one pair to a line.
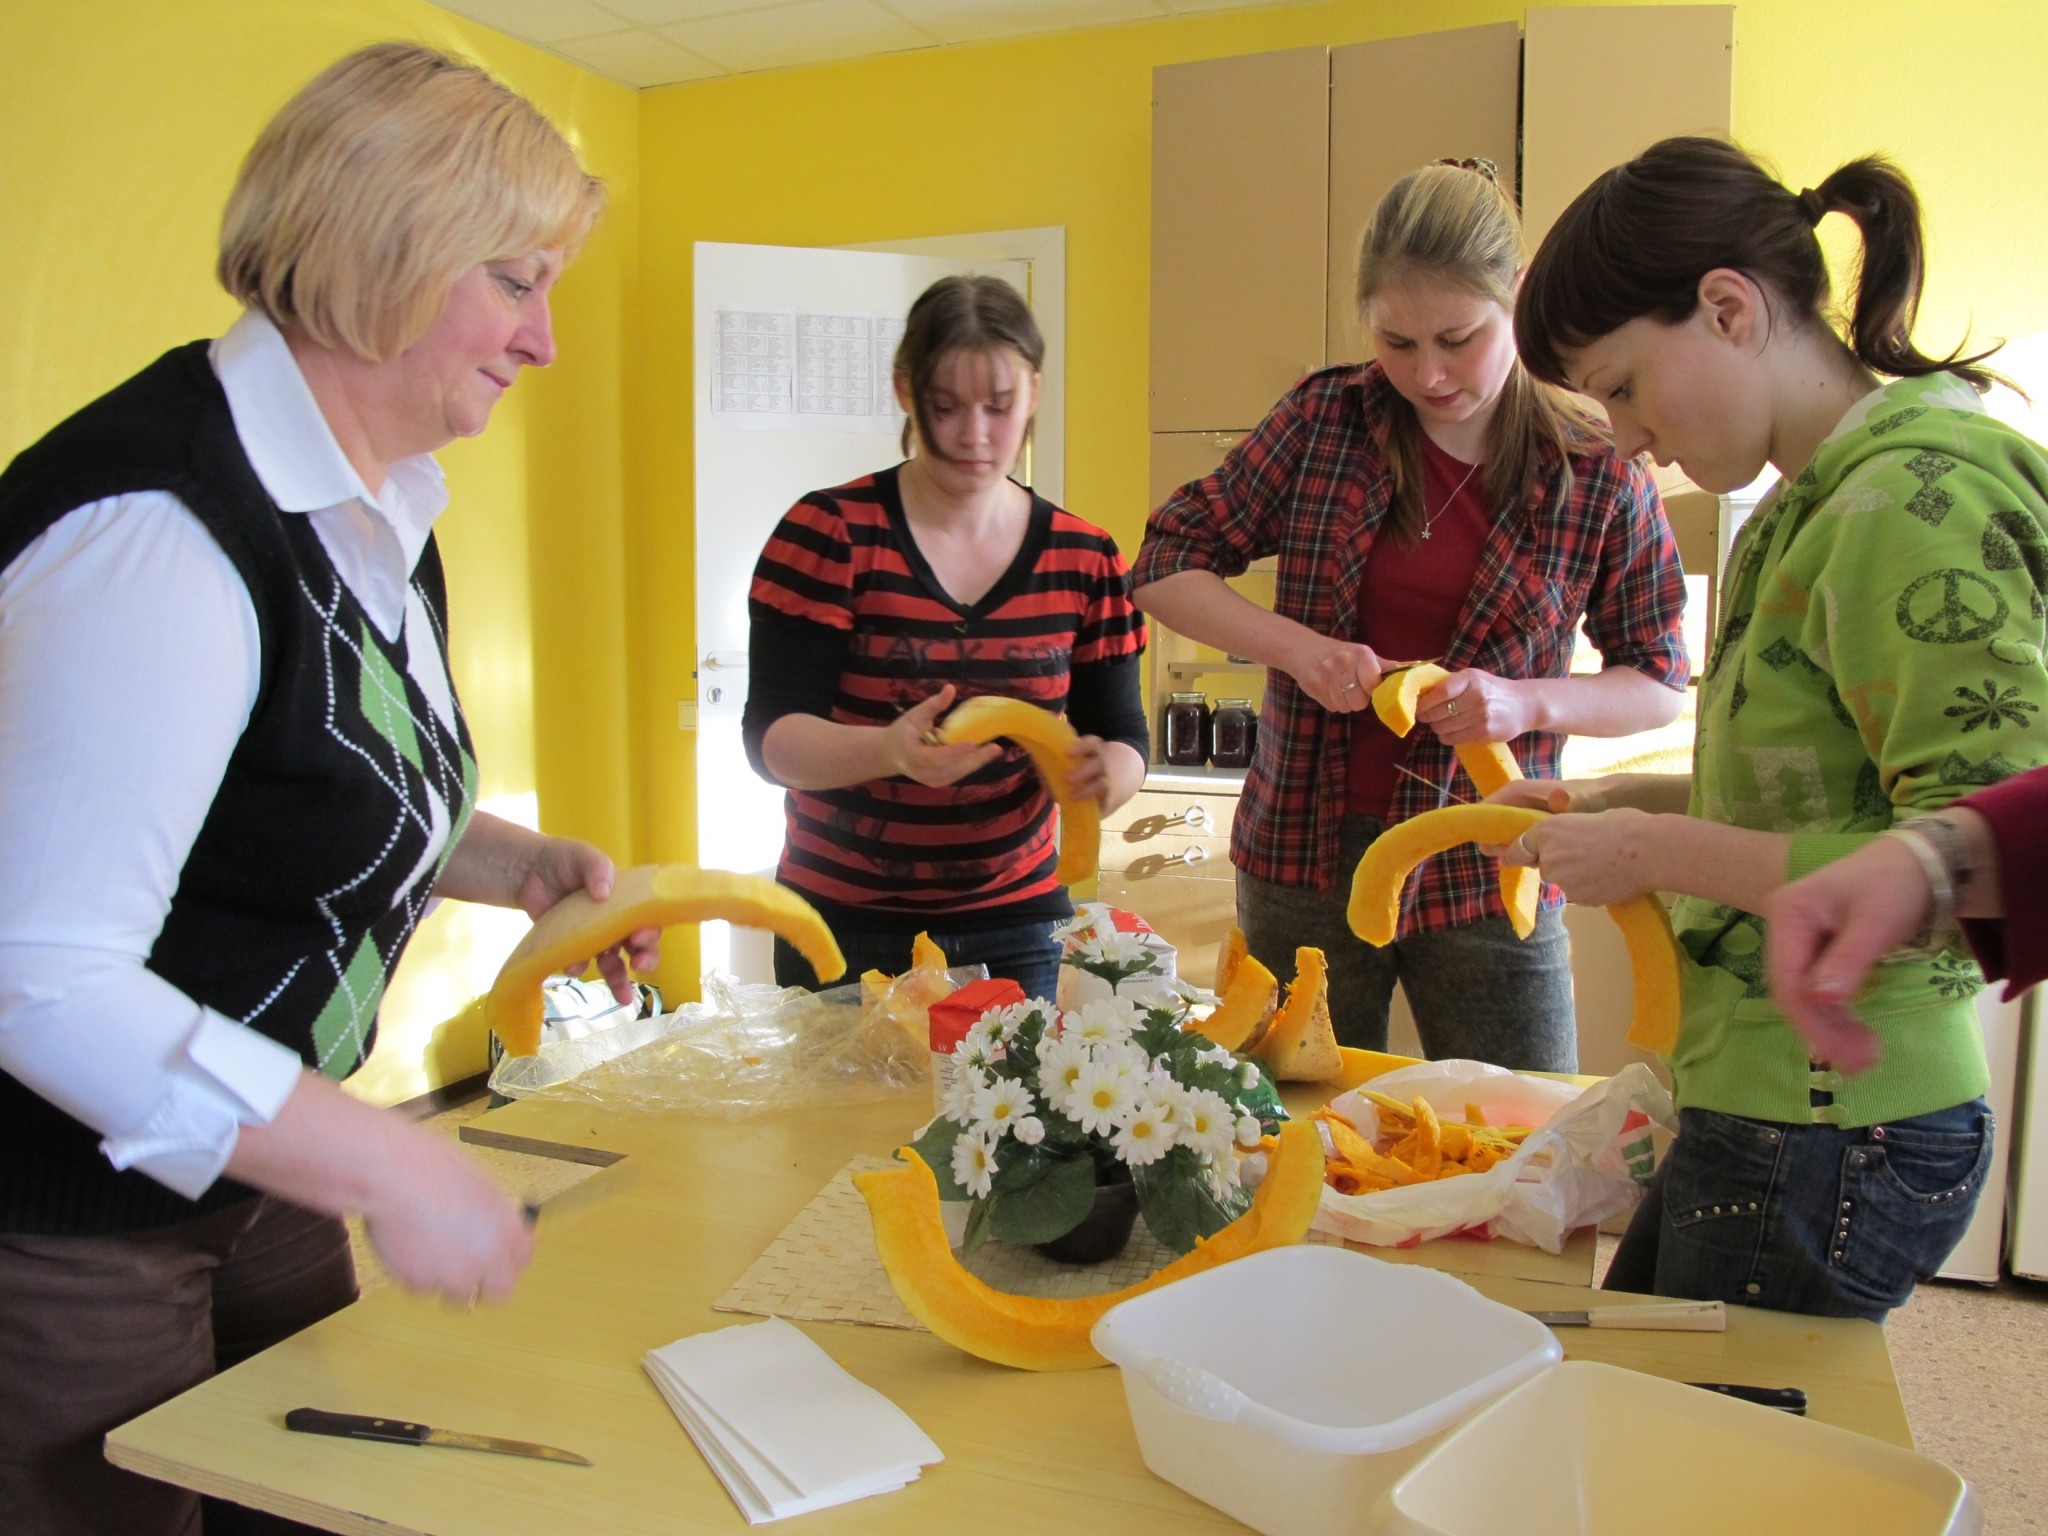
1245,1007
1049,740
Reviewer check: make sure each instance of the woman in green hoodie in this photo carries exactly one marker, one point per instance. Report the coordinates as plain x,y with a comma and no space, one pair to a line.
1879,656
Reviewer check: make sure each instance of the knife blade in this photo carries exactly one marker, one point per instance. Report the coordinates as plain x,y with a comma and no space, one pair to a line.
1675,1316
1789,1399
357,1426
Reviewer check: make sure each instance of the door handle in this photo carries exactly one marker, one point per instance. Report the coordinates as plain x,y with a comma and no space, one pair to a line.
1153,864
1196,818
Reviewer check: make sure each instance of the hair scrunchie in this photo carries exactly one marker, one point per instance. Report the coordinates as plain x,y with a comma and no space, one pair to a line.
1814,205
1477,163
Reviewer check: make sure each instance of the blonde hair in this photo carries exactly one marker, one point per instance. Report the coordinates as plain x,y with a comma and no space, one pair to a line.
380,183
1452,223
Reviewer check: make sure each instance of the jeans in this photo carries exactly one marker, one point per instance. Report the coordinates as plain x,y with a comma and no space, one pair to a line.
1806,1218
1027,953
1477,992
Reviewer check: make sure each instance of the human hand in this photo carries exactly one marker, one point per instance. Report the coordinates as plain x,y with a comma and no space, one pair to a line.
556,866
916,750
1600,859
1822,935
1088,776
1338,674
442,1226
1557,796
1473,706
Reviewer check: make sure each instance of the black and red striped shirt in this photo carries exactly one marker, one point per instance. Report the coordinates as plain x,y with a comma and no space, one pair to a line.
849,622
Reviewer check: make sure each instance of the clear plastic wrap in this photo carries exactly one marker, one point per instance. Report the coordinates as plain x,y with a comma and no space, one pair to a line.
747,1047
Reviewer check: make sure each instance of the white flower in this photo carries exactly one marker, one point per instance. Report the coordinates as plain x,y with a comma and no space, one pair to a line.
1001,1105
1145,1135
958,1104
1030,1130
1222,1175
1059,1065
1249,1130
981,1045
1118,949
1248,1074
1106,1021
1129,1060
974,1163
1100,1098
1207,1123
1214,1056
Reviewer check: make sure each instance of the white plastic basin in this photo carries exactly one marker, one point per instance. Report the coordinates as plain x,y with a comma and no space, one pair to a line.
1291,1388
1594,1450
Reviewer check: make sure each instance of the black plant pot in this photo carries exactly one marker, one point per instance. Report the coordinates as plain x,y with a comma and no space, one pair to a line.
1102,1233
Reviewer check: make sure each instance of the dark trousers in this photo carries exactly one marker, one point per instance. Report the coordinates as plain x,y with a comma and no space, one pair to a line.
1027,953
97,1330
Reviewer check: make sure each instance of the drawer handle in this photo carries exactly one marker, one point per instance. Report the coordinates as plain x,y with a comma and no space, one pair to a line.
1158,863
1195,818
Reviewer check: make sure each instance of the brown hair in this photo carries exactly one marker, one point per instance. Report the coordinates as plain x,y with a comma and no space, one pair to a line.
1636,243
380,183
1452,222
960,314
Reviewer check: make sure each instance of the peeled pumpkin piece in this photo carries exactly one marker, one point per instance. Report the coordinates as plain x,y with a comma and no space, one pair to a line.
1050,742
925,954
1228,958
1245,1006
1490,766
1300,1045
649,896
1037,1333
1375,907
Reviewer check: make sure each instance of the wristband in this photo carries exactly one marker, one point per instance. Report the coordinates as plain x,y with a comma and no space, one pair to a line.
1940,926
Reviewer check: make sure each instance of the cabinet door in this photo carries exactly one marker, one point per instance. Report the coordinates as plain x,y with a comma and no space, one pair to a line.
1399,103
1601,84
1240,172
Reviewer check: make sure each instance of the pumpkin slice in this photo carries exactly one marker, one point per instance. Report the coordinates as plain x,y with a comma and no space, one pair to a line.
1301,1045
925,954
649,896
1036,1333
1244,1008
1375,908
1490,766
1050,741
1229,958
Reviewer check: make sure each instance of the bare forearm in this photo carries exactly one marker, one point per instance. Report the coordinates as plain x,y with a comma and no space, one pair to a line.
1203,606
494,856
1618,701
1126,770
810,752
325,1150
1691,856
1661,794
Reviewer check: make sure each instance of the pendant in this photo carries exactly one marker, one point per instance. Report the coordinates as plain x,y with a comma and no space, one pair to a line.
1425,530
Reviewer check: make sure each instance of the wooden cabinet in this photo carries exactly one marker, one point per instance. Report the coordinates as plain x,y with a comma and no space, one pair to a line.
1166,857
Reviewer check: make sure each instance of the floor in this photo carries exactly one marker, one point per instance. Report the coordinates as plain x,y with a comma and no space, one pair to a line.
1972,1361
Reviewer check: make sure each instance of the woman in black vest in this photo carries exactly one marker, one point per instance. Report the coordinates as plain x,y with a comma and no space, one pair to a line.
236,774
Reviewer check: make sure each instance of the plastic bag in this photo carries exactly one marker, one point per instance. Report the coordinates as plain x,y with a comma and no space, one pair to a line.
1588,1160
745,1047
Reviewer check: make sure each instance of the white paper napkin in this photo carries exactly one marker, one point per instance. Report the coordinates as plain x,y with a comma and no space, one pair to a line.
783,1425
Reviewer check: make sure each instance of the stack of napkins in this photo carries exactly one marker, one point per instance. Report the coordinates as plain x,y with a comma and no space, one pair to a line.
786,1429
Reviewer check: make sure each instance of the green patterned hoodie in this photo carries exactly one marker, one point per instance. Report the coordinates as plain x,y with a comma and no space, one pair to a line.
1880,655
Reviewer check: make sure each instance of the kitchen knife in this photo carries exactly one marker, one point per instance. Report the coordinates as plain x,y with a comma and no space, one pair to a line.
356,1426
1791,1399
1678,1316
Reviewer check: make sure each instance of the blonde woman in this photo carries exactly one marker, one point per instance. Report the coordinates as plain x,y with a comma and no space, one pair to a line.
237,774
1436,503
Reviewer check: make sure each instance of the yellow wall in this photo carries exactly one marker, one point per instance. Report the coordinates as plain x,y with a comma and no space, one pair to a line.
1057,130
122,123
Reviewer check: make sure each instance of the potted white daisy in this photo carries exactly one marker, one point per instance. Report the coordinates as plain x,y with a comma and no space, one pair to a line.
1061,1128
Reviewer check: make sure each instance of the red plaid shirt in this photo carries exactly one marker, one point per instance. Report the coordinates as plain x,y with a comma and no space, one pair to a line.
1311,486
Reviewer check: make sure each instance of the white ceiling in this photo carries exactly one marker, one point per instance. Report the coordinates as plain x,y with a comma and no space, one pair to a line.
661,42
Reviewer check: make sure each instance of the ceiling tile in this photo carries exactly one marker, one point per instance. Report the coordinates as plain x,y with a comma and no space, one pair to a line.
1210,5
538,21
808,32
975,21
638,58
655,13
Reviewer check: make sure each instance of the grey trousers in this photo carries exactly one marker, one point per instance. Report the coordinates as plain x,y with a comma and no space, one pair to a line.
1477,992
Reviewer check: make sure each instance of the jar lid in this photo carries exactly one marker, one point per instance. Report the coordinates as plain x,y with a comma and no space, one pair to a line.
1190,698
1233,703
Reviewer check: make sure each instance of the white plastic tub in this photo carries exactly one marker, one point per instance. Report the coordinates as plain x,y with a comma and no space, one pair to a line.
1291,1388
1594,1450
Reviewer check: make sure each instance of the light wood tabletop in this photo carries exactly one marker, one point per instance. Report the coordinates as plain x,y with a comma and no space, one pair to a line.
635,1258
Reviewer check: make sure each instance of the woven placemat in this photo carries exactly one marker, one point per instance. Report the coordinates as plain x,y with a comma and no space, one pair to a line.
823,1268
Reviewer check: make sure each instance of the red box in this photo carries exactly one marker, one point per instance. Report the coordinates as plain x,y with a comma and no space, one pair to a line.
953,1015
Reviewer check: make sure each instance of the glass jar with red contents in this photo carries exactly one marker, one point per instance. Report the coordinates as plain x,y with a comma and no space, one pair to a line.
1187,730
1233,733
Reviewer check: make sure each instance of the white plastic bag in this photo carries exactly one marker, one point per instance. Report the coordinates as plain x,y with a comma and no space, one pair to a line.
1588,1159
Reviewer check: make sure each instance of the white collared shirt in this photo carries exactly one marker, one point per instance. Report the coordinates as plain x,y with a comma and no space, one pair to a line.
129,664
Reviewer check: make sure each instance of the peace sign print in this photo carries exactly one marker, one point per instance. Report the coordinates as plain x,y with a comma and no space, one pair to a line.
1961,608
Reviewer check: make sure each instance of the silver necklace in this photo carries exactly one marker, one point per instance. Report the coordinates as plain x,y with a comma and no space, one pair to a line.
1429,520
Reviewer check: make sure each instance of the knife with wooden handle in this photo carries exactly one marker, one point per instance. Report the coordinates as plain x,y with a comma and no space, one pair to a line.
1677,1316
357,1426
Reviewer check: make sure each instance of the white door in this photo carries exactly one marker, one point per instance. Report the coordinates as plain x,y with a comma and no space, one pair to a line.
792,388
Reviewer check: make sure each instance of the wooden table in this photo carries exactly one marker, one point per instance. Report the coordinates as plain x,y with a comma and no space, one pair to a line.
637,1263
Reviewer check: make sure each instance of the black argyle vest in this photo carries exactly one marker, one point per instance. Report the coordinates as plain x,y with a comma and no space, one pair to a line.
333,819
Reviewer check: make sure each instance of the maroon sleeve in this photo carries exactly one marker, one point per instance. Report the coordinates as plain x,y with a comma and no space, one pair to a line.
2014,949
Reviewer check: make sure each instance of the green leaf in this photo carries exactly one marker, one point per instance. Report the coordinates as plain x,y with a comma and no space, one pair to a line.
978,1225
1178,1204
1050,1207
935,1146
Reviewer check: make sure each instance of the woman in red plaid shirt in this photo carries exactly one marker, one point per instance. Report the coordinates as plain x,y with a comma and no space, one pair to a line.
1436,503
